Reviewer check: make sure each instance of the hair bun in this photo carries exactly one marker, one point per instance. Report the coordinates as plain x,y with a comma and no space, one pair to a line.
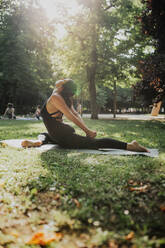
61,82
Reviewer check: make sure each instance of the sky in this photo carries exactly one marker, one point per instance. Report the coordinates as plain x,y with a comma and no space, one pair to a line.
51,9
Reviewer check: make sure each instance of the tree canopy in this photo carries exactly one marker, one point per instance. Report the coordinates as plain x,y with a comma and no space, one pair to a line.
26,43
103,44
103,47
152,67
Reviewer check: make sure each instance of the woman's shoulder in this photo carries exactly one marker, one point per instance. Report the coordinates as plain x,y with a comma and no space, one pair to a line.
56,96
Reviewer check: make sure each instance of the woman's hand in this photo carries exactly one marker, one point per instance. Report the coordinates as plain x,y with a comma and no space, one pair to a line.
91,133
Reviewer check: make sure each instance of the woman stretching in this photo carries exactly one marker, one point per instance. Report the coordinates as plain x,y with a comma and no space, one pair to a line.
59,104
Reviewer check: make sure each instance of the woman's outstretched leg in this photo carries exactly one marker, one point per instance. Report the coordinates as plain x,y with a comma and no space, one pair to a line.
116,144
89,143
136,147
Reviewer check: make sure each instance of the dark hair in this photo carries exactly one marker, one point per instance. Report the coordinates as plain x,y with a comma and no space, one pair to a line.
69,89
10,105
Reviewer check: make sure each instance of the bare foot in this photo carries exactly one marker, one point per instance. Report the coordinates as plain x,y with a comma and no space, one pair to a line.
28,143
134,146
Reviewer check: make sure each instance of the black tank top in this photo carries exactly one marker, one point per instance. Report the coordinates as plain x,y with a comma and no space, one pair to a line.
45,113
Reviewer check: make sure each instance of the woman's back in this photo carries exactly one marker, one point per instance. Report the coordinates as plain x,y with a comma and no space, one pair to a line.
50,106
9,110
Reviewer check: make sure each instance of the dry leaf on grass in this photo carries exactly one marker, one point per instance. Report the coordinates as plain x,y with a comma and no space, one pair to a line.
41,238
130,236
77,203
132,182
57,197
112,244
139,189
162,207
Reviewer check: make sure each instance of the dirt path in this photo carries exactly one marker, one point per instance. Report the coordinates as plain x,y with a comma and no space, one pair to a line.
128,116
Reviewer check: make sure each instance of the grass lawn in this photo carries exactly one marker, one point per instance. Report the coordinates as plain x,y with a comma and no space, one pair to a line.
82,200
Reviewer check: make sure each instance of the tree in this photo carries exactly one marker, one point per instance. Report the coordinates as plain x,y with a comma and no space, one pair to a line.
25,47
99,42
121,46
152,67
86,41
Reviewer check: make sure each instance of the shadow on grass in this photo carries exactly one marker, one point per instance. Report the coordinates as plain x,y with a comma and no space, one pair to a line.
95,189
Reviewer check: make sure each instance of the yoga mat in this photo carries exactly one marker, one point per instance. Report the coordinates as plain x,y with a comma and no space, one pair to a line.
17,144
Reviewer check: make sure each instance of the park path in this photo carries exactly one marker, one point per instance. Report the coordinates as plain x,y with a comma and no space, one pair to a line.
110,117
128,116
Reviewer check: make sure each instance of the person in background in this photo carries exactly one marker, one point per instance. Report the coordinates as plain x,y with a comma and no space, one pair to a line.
10,111
38,112
79,108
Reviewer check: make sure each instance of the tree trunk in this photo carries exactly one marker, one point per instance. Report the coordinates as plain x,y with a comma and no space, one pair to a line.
91,75
114,99
92,92
14,93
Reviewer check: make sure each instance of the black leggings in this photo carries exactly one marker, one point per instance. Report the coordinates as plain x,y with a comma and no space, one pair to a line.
65,136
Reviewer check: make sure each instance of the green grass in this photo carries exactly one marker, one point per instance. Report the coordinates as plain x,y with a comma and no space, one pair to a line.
84,196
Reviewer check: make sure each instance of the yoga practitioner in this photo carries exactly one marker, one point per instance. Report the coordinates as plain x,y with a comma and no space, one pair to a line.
10,111
60,103
38,112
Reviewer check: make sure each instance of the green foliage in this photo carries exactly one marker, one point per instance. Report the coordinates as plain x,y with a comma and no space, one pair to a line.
151,68
102,97
108,49
102,43
25,47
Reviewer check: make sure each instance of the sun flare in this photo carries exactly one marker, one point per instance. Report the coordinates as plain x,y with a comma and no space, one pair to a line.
51,7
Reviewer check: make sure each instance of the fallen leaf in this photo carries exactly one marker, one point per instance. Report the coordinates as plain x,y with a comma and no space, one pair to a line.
130,236
132,182
41,238
57,197
140,189
162,207
41,222
84,236
112,244
77,203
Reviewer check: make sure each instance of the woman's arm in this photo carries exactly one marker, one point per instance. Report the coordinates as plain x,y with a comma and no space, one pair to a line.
60,104
91,133
76,113
5,112
13,110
